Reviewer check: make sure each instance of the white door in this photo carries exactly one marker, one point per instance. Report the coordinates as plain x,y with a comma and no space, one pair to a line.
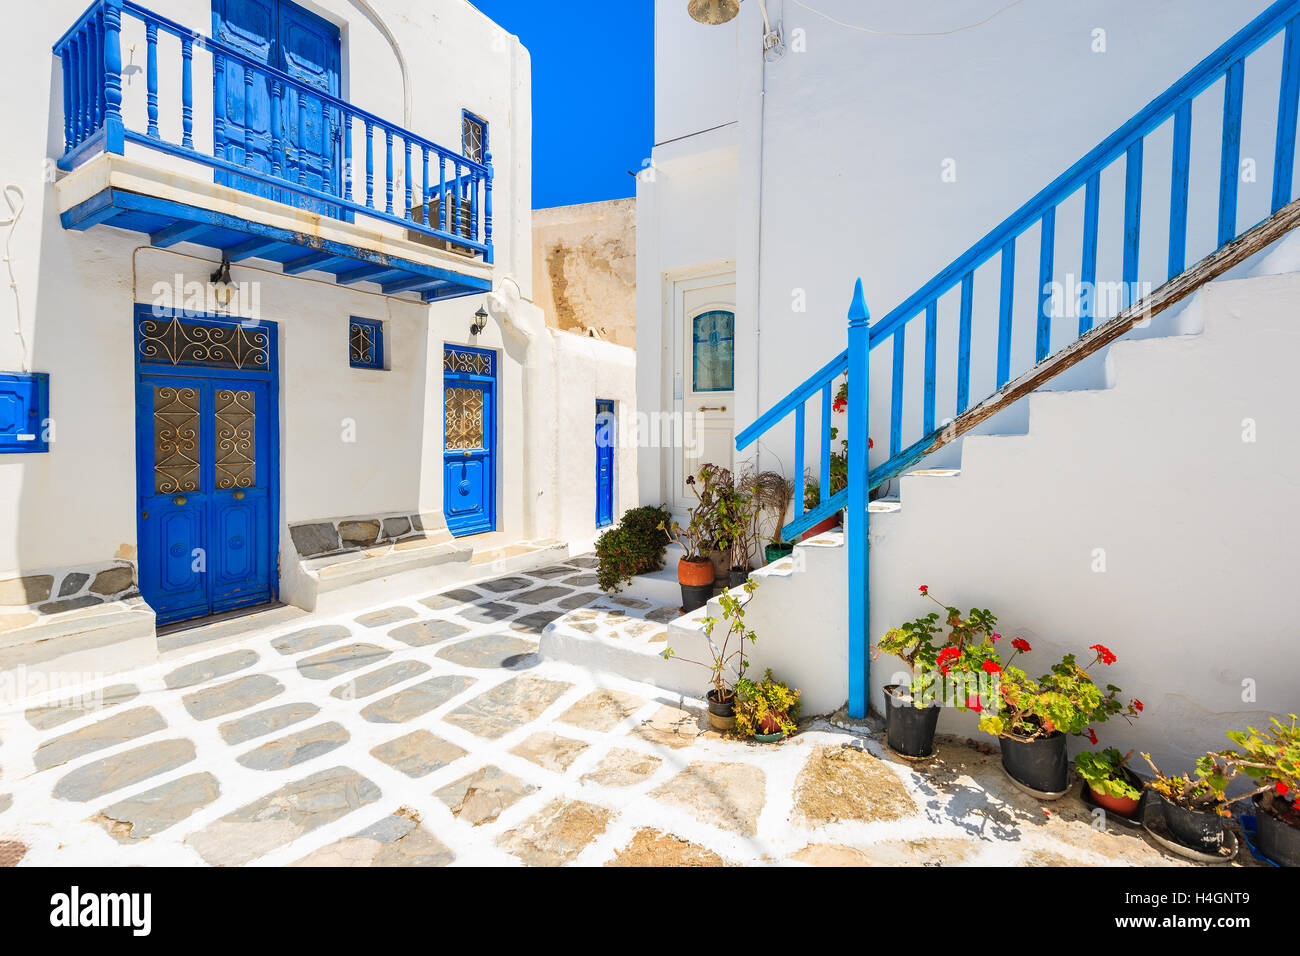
707,376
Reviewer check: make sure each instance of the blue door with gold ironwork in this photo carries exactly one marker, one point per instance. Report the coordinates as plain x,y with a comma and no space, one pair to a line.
277,128
604,463
205,464
469,439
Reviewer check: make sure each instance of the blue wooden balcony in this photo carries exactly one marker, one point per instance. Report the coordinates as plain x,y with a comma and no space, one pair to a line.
273,165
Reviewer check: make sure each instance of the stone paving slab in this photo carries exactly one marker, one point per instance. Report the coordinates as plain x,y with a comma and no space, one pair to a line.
490,613
534,623
489,652
507,706
53,715
153,811
299,642
109,732
506,585
265,722
418,754
416,701
651,847
550,751
483,795
557,834
367,685
398,840
237,695
330,664
296,748
385,617
203,671
602,710
542,595
424,633
283,816
726,795
624,768
102,777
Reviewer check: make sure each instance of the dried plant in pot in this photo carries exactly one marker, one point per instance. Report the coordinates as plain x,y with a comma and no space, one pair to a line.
736,524
775,494
724,659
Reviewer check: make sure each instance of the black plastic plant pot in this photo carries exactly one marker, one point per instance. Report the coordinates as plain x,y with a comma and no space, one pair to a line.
695,596
1196,829
909,730
735,578
1277,839
1041,763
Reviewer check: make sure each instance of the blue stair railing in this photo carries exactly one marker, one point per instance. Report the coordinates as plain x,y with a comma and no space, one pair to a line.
1227,63
449,198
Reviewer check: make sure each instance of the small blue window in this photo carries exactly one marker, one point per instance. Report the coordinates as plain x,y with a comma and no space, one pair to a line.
24,412
473,137
714,351
365,343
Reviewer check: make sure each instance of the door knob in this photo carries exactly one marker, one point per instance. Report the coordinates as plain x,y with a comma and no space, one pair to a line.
239,496
180,500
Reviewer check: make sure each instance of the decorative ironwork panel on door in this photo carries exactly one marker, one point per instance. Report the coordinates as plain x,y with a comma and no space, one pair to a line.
235,434
176,440
464,428
470,363
175,341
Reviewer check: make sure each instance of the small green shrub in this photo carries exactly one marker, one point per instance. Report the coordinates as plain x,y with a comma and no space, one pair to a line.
768,706
635,547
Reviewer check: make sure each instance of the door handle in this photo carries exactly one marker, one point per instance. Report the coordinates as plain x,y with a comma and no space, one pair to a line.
713,408
239,496
180,500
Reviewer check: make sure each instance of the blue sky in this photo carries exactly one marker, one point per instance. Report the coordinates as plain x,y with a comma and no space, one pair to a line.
593,93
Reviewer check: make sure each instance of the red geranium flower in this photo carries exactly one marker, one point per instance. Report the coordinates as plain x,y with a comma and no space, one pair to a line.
992,667
1282,789
1020,644
924,589
995,637
840,404
871,443
1137,705
1104,653
1092,736
946,657
974,704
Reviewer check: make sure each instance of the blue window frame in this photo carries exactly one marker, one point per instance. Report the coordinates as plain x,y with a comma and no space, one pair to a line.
473,137
713,351
365,343
24,412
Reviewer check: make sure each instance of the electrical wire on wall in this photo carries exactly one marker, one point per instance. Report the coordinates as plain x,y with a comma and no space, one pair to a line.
16,202
887,33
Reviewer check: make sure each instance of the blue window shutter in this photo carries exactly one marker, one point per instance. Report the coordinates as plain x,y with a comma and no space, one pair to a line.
24,408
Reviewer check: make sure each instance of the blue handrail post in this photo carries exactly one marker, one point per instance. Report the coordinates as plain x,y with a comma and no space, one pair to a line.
858,522
114,131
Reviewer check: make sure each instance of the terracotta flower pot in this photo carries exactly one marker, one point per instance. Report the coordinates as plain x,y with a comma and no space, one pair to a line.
1124,806
696,580
830,524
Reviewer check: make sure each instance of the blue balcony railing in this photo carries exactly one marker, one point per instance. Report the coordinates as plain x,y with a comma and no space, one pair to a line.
444,195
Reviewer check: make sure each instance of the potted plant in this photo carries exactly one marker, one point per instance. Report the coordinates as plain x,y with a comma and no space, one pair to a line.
766,709
964,657
1112,785
812,497
635,547
724,658
1033,717
695,571
1194,804
1271,759
736,514
775,493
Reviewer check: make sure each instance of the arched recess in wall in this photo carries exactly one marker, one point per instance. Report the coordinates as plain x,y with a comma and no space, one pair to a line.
377,21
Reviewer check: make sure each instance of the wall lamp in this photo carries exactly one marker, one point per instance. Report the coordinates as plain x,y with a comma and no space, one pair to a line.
480,321
715,12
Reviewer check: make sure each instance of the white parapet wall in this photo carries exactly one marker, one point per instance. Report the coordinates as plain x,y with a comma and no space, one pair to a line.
1157,517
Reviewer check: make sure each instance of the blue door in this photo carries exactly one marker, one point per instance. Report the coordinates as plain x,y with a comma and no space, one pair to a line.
206,472
288,38
605,438
469,439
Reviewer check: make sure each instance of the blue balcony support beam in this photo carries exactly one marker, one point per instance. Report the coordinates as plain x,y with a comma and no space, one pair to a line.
312,262
252,249
178,232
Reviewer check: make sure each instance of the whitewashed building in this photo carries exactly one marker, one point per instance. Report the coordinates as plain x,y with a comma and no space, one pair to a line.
273,338
1145,498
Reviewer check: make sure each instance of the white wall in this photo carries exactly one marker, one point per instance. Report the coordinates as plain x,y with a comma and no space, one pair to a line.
856,131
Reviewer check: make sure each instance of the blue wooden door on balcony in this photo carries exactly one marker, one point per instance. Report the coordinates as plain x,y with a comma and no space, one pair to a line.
205,472
301,141
469,440
604,463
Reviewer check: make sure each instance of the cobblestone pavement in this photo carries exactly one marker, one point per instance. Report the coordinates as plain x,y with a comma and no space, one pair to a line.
429,732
